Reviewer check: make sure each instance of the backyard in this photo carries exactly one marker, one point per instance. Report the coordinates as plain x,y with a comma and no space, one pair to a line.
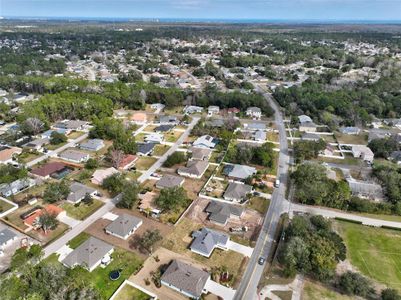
129,292
82,210
374,251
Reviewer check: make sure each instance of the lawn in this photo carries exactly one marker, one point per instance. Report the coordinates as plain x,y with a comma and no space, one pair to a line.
50,236
127,261
75,134
360,139
82,211
259,204
159,150
179,240
145,162
172,136
51,147
374,251
313,291
348,160
27,157
78,240
129,292
4,206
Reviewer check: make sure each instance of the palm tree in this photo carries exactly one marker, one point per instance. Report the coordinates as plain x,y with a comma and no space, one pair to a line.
46,222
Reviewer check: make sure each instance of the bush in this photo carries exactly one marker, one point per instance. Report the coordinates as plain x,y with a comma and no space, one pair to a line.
174,159
355,284
57,138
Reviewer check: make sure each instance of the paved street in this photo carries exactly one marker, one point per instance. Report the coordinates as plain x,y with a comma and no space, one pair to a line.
57,151
248,286
170,151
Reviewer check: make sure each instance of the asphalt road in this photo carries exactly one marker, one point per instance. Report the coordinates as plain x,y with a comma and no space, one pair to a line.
248,286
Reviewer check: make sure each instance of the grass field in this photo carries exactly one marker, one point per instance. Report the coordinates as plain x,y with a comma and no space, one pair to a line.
374,251
360,139
145,162
82,211
129,292
4,206
259,204
159,150
313,291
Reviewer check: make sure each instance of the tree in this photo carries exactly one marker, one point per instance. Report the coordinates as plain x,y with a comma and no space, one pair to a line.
174,159
33,126
57,138
383,147
46,222
55,192
116,157
88,200
355,284
390,294
129,195
148,239
114,183
23,256
305,150
170,199
91,164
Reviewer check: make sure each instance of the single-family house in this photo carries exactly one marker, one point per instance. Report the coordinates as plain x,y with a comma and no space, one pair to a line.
307,127
259,136
31,220
200,153
309,136
13,188
123,226
205,141
163,128
239,172
213,110
168,120
145,149
185,279
127,161
48,133
8,154
6,237
78,192
155,138
237,192
206,240
304,119
92,145
37,144
194,169
169,181
255,126
220,213
139,118
364,189
364,152
254,112
89,254
100,175
50,169
157,106
191,109
350,130
72,125
74,156
395,157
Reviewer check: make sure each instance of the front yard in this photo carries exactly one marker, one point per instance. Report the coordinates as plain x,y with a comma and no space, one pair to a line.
129,292
81,211
145,162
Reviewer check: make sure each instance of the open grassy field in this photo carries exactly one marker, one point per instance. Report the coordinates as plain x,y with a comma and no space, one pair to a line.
130,292
4,206
172,136
360,139
145,162
374,251
82,211
159,149
259,204
313,291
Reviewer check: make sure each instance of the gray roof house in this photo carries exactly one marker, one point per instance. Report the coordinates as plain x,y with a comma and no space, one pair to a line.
206,240
350,130
163,128
37,144
169,181
74,156
220,213
78,191
304,119
8,189
395,156
6,237
239,171
260,136
92,145
145,149
255,126
72,124
185,279
123,226
194,168
237,191
89,254
200,153
308,136
168,120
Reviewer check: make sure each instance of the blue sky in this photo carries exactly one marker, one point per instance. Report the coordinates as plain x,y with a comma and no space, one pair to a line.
210,9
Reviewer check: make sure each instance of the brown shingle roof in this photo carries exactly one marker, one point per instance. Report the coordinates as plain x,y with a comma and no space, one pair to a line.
48,169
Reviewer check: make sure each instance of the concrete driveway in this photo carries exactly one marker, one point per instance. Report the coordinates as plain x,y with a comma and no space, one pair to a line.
68,220
244,250
219,290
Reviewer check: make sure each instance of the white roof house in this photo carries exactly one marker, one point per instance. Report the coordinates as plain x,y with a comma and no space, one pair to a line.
154,138
99,175
213,110
364,152
205,141
254,112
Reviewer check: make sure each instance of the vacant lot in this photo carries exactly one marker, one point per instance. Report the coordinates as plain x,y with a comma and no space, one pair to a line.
374,251
314,291
172,136
259,204
159,150
81,211
360,139
4,206
145,162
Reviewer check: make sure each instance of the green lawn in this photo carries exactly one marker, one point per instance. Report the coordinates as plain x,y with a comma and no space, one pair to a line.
374,251
129,292
159,150
4,206
51,147
127,261
82,211
145,162
259,204
313,291
78,240
360,139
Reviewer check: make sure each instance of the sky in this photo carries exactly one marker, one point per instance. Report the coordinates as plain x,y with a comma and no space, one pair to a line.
207,9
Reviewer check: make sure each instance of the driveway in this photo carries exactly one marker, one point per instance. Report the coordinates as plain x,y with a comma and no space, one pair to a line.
244,250
68,220
219,290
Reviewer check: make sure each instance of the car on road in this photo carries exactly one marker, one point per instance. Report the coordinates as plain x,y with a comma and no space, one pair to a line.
261,260
277,183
